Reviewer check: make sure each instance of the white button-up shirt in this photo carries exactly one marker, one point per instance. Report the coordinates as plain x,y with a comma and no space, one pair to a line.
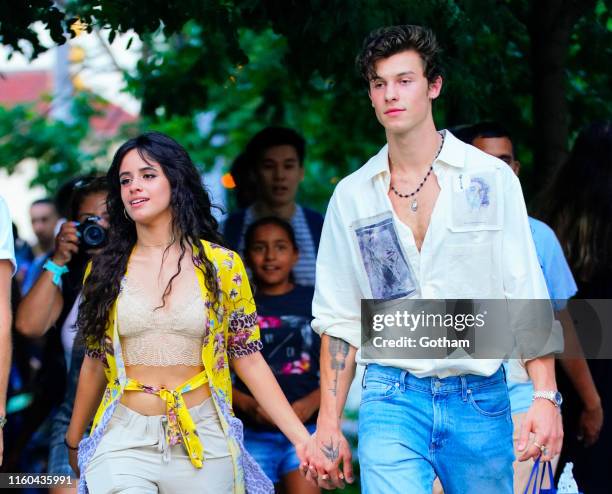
478,245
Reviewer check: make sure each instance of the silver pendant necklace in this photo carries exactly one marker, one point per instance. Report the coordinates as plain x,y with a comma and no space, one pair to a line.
414,205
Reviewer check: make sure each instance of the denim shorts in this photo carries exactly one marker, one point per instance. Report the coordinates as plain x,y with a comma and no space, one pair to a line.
273,451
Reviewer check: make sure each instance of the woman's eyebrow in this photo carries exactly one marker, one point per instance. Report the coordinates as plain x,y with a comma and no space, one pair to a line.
143,169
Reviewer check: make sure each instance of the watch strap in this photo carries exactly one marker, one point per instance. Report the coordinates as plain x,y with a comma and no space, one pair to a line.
546,395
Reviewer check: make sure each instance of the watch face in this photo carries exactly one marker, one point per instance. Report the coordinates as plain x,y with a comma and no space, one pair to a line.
558,398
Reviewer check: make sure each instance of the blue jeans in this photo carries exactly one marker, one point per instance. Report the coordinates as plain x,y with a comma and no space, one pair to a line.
273,452
412,429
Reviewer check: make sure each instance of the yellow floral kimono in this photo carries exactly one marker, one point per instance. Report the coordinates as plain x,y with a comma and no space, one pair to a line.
232,332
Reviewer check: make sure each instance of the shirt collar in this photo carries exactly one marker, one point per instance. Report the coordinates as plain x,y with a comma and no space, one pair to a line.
452,153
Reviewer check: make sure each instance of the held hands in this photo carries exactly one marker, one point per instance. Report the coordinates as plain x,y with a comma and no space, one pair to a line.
66,244
327,449
544,421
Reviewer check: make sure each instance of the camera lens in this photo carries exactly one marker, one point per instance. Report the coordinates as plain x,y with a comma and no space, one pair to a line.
94,235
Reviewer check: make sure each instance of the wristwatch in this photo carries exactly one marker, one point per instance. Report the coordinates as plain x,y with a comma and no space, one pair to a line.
2,421
552,396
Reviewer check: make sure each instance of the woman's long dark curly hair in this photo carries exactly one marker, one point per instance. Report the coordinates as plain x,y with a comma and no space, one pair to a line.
191,221
577,202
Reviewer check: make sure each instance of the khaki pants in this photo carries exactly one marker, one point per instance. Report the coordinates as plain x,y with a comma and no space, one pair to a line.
522,469
134,457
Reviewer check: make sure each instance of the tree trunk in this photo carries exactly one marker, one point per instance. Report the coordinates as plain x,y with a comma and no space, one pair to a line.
550,28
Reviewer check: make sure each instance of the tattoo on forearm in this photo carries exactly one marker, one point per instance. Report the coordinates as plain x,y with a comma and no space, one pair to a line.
331,452
338,350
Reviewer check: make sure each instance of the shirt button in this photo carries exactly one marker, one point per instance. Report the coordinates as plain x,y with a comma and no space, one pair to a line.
437,384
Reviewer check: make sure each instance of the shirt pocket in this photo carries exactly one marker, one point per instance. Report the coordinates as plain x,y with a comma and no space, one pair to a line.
476,202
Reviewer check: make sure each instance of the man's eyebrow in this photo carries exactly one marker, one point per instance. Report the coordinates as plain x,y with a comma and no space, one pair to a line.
400,74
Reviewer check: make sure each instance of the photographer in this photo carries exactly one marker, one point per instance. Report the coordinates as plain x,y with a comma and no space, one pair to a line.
52,297
51,306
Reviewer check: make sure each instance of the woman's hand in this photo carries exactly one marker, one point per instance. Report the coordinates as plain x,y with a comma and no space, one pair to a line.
66,244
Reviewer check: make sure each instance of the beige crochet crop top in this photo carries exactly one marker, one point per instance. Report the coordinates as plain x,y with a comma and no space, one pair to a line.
172,335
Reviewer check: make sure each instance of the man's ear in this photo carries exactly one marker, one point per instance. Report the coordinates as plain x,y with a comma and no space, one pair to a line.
516,167
435,88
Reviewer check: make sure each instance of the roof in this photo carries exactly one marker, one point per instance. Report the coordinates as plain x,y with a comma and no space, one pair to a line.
31,86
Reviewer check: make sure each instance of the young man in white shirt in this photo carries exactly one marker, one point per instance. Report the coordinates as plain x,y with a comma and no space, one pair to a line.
433,218
8,267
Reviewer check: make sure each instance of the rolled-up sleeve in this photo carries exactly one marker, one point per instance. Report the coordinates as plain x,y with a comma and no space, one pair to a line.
523,279
336,306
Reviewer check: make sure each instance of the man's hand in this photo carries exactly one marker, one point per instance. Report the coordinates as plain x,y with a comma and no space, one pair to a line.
327,451
590,424
66,244
543,420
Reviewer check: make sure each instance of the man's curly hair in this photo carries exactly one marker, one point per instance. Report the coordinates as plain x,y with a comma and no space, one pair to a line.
387,41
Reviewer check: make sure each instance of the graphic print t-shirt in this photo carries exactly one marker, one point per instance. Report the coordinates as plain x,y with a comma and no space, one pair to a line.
290,346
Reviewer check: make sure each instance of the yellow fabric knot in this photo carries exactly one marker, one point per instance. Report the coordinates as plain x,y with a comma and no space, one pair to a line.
181,427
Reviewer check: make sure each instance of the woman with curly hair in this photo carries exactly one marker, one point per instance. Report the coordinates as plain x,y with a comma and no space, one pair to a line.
165,311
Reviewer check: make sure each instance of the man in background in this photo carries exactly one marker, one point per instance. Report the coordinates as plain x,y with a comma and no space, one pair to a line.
44,217
494,139
274,159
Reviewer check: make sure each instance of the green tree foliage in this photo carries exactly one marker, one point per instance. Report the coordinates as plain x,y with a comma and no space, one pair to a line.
62,149
239,65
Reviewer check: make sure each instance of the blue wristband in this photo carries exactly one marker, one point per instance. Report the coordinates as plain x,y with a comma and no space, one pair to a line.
57,271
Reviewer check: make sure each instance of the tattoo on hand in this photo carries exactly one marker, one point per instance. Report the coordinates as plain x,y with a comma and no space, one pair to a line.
330,452
338,349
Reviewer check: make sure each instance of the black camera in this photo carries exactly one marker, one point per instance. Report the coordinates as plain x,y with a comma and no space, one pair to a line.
92,235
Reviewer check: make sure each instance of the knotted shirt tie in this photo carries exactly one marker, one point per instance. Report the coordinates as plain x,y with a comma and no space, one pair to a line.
181,427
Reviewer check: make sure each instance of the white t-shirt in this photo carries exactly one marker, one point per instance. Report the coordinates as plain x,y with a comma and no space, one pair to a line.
7,245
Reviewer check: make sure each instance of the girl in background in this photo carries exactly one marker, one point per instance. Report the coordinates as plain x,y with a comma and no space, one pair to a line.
290,347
